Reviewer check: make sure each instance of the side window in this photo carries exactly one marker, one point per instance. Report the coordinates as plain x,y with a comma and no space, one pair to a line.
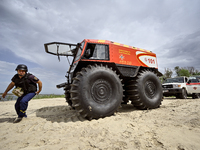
194,80
97,51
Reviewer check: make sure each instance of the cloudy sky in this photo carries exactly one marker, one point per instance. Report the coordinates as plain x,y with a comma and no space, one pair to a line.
169,28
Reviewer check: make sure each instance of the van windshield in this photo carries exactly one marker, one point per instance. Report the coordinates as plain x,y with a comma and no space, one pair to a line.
175,80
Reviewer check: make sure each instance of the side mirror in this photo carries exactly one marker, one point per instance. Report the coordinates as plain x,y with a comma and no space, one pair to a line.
189,82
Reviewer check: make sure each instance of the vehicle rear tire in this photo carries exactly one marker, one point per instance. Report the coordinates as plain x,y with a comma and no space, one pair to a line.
67,97
125,97
145,91
183,94
96,92
198,95
195,95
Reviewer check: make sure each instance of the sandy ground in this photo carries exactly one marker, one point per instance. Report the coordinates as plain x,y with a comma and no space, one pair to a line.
52,125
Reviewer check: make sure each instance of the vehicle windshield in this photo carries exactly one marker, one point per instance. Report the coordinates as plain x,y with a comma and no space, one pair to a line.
175,80
79,51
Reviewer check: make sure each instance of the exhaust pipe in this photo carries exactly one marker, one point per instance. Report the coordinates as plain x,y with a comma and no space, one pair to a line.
61,85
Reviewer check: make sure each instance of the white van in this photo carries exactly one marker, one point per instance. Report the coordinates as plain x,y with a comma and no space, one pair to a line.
181,87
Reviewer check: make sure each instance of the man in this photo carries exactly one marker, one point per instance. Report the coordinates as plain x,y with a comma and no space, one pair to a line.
26,89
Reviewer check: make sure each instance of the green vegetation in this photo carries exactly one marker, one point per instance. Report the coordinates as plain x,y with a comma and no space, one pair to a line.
9,97
41,96
184,71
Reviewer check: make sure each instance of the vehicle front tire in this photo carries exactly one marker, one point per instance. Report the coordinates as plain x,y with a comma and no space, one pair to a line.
183,94
96,92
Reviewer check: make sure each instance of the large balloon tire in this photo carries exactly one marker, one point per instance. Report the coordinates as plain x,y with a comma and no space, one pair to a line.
96,92
67,97
145,90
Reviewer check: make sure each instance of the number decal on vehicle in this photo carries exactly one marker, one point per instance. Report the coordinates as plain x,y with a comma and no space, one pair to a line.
146,59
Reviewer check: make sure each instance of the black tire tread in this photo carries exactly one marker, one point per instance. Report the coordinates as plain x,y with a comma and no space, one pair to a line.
76,103
134,94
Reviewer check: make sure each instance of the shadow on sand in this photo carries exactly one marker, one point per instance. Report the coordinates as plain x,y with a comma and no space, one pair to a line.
67,114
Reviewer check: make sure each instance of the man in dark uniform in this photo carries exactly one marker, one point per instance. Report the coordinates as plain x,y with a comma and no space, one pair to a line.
26,89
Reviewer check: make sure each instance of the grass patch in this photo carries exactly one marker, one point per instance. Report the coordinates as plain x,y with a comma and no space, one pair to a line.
42,96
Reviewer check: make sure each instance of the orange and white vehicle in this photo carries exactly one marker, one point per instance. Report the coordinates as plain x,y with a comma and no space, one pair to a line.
181,87
104,73
193,87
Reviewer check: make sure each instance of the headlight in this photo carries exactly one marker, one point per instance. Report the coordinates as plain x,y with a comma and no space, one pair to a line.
176,85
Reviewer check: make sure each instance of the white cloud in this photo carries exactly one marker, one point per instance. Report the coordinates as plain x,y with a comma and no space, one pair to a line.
7,68
165,27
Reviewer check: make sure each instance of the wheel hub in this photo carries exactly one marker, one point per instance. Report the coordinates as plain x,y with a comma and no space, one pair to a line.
101,91
150,89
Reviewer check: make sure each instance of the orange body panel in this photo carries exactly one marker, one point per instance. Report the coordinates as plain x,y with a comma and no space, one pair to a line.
127,55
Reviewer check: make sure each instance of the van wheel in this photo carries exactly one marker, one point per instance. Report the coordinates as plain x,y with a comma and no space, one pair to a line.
195,95
96,92
145,91
183,94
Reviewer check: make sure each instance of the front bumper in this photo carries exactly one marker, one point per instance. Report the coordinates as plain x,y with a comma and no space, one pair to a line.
172,91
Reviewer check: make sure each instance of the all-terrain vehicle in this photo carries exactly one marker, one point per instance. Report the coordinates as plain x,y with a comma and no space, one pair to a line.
103,74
